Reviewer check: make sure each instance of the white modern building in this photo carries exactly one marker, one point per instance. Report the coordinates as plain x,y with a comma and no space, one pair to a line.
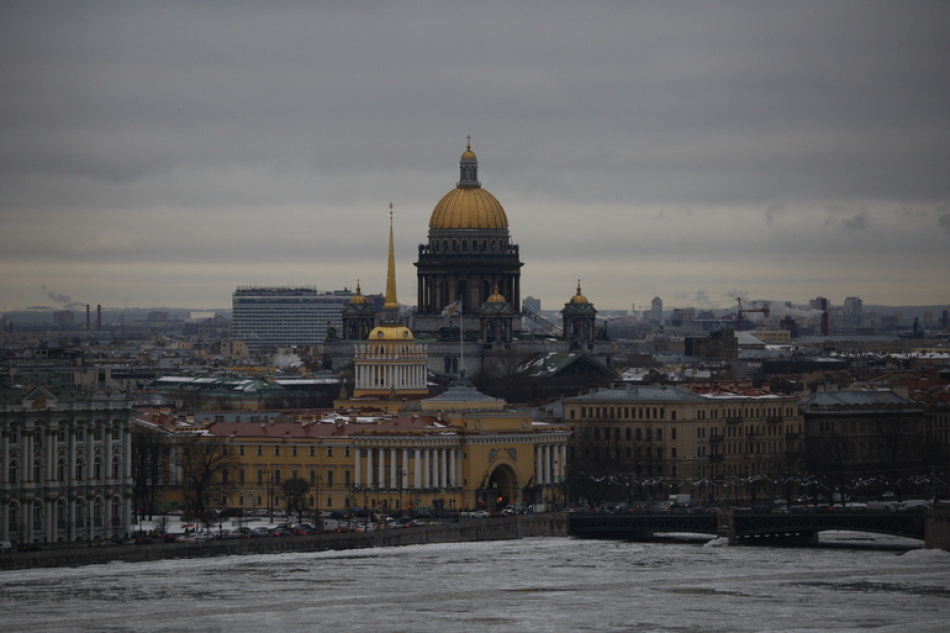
271,317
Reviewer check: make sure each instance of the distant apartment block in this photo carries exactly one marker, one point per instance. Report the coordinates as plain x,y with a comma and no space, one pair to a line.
271,317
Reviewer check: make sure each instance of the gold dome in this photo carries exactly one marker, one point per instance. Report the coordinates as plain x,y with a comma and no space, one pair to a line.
579,298
390,333
468,154
496,296
468,208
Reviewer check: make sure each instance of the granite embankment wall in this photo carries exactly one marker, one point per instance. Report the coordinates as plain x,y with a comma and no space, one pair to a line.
937,530
59,555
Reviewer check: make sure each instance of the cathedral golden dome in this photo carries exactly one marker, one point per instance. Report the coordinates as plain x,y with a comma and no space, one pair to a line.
468,208
579,298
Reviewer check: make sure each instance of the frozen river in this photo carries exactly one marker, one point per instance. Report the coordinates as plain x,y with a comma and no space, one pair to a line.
543,584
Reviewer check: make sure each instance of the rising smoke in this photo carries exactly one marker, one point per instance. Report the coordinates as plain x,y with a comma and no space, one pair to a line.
62,300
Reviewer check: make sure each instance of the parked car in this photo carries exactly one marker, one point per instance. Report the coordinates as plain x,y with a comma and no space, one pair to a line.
28,547
254,534
144,540
281,532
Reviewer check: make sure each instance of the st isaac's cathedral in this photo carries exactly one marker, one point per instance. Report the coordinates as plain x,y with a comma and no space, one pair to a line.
468,311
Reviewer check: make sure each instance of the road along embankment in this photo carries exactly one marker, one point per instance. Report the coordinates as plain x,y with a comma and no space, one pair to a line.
67,555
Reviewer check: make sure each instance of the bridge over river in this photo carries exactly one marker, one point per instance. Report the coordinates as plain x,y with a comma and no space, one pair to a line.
746,527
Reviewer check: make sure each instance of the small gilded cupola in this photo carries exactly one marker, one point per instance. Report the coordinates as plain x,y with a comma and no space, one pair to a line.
579,320
359,317
495,318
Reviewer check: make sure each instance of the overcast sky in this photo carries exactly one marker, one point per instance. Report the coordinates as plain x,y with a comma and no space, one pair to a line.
160,154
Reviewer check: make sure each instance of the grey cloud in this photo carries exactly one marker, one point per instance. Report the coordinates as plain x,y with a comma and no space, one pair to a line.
629,135
857,222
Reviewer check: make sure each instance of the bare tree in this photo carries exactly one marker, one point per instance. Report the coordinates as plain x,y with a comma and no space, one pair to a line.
295,493
150,450
205,466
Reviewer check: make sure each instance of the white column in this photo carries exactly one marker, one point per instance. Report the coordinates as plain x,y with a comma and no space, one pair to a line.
453,457
357,480
127,461
439,466
445,467
369,467
50,519
547,463
562,463
393,482
51,456
426,464
381,479
404,475
537,464
26,463
417,469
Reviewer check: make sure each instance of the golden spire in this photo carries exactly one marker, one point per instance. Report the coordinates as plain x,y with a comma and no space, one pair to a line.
391,301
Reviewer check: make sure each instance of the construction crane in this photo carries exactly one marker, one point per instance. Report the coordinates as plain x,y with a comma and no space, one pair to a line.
739,322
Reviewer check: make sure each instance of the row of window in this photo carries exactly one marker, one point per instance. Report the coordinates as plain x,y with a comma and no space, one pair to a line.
276,477
483,246
62,435
14,474
277,448
81,518
630,434
623,413
659,413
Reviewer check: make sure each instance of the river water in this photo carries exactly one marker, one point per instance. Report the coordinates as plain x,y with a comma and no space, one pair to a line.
539,584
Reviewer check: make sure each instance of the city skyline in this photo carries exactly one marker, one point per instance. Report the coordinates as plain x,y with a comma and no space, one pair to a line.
162,156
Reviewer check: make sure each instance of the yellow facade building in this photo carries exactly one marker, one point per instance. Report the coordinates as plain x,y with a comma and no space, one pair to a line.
390,447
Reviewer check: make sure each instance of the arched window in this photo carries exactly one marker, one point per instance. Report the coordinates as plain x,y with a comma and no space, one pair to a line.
80,468
80,512
37,470
116,467
14,472
13,518
116,512
61,469
97,512
97,468
37,516
61,514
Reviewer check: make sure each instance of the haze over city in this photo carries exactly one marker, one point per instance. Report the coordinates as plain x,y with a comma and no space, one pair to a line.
162,154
